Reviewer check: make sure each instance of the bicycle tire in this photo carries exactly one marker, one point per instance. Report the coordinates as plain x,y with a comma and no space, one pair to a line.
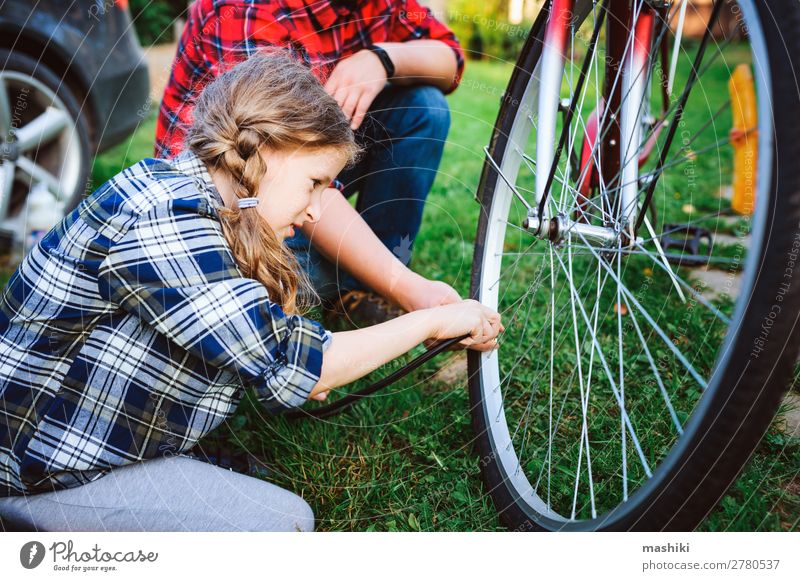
736,410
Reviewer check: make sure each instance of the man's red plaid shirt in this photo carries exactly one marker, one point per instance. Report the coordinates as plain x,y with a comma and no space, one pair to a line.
219,33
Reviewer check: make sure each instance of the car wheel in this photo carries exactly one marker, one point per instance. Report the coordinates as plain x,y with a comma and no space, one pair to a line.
44,144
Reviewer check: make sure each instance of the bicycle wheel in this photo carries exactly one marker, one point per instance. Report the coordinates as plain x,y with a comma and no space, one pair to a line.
627,394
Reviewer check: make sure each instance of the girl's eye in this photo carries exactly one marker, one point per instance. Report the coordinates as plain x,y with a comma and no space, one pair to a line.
317,182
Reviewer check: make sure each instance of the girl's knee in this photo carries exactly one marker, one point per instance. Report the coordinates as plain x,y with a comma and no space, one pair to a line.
305,516
290,514
276,509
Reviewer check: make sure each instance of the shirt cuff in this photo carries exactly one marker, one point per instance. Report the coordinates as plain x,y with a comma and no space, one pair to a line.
297,366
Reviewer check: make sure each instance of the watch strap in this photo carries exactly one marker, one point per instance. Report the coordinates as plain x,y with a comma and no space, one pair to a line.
386,61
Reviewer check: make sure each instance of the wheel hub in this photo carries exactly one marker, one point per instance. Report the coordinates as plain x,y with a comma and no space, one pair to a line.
558,228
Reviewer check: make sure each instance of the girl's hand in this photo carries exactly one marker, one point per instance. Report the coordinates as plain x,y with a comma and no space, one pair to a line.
467,317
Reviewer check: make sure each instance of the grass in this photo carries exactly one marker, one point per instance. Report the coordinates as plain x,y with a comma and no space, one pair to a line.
404,460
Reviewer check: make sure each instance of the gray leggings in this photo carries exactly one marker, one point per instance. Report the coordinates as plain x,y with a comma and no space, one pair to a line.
175,493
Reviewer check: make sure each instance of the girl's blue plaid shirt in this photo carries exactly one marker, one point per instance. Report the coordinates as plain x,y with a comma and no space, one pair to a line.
129,333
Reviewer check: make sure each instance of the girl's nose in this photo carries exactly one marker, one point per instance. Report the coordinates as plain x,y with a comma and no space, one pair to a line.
313,213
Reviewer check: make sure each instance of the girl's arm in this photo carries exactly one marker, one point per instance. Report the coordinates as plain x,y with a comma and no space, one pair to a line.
353,354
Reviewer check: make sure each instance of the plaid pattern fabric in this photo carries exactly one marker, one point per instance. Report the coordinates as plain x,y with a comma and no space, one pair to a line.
219,33
129,333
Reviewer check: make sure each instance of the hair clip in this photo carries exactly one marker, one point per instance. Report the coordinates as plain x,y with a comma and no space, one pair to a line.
247,202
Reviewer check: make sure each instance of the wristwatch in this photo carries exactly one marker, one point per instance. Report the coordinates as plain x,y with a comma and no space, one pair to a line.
385,60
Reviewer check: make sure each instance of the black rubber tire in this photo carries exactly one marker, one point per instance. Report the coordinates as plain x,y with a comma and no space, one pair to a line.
22,63
735,412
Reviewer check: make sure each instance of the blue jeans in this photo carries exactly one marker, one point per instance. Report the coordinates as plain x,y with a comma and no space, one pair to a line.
403,133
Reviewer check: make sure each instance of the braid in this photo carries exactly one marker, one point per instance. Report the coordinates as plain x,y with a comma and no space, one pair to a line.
267,101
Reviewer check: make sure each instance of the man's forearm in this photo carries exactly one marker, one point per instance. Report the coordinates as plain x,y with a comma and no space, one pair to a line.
422,61
342,234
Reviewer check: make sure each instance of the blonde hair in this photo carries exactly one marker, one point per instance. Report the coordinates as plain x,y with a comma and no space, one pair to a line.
270,99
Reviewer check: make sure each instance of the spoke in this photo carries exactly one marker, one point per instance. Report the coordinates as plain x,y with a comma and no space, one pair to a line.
602,123
530,347
676,161
527,158
537,337
621,357
505,179
654,368
585,429
704,126
703,218
552,358
7,169
524,296
586,333
40,175
579,367
42,129
677,46
515,263
595,151
695,294
667,267
609,376
653,324
5,110
672,108
584,405
693,76
711,260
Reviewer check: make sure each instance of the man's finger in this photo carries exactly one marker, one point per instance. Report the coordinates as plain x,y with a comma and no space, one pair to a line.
332,84
341,95
350,103
361,110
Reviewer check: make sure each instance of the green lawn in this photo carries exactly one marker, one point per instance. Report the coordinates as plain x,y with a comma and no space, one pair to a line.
404,460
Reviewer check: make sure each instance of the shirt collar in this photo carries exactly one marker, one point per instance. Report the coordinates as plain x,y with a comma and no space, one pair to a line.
187,162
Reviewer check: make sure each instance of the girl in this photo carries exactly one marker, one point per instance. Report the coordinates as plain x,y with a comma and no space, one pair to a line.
133,328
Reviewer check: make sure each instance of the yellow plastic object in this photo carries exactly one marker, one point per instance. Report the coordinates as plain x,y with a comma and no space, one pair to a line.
744,138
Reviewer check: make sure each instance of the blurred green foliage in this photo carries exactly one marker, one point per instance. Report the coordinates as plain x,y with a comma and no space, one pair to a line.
153,19
485,31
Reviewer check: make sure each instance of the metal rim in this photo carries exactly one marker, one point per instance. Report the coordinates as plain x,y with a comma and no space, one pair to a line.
43,150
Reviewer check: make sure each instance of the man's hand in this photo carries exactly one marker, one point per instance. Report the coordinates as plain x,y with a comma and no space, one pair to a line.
424,294
355,82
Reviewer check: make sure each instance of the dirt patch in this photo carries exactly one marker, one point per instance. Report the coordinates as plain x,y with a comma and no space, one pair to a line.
790,420
159,63
455,372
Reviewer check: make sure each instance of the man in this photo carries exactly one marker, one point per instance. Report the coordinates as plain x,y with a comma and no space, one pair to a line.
388,63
